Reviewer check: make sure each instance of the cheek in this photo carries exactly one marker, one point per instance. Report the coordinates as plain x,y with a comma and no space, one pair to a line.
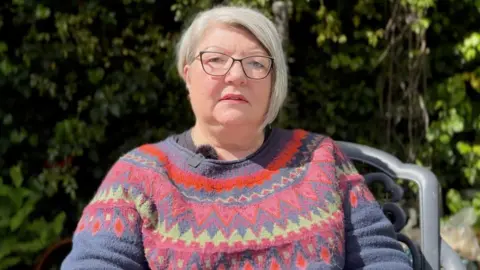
204,90
263,92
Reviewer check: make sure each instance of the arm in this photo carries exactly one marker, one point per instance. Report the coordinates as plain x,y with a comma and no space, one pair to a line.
108,235
369,236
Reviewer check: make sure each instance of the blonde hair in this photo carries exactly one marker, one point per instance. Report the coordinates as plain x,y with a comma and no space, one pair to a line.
257,24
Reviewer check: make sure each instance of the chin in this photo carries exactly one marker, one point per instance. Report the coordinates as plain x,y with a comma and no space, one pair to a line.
234,120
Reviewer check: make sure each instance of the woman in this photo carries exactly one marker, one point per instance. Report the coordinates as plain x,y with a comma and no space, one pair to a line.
231,192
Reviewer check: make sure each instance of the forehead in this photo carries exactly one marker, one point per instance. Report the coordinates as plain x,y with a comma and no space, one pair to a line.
230,39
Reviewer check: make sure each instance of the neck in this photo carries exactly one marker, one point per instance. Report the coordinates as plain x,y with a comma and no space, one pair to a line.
229,143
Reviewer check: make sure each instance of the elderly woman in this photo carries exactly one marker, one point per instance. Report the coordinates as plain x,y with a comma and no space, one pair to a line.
231,192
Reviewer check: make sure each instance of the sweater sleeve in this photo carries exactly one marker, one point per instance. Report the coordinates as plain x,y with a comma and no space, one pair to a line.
370,241
108,234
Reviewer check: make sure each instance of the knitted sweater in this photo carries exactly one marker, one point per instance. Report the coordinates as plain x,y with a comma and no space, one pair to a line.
296,203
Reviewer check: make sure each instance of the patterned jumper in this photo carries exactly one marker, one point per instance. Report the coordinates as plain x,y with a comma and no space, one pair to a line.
296,203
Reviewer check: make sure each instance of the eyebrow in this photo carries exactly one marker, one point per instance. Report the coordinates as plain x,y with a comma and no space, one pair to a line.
255,51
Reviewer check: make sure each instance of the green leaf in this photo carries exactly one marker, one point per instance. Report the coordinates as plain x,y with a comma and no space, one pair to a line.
17,136
42,12
9,262
454,201
33,140
3,47
7,119
16,175
4,223
445,138
32,246
7,246
6,68
96,75
463,147
36,226
58,223
114,109
16,195
476,149
20,217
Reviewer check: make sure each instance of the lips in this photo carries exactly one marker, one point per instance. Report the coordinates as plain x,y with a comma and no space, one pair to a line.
234,97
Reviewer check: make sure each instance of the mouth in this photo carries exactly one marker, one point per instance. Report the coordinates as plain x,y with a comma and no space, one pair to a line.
234,98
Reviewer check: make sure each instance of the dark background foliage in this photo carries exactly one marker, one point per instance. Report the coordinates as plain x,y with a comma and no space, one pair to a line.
84,81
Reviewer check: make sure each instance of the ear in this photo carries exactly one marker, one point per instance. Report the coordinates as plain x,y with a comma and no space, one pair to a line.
186,75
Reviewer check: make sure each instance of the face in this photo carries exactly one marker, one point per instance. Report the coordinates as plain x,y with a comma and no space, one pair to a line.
233,98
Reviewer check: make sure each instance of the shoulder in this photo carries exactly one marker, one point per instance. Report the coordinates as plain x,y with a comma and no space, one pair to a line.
145,156
145,161
315,147
310,142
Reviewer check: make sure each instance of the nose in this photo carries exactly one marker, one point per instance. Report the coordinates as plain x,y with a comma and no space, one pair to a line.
236,75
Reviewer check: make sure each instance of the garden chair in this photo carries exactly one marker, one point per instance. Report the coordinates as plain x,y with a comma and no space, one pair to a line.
433,253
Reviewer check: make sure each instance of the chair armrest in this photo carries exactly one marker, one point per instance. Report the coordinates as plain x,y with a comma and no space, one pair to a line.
449,259
429,194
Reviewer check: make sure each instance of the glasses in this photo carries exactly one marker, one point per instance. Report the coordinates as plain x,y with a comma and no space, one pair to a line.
218,64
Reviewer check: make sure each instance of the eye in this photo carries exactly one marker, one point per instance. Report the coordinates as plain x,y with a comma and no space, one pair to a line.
256,64
216,60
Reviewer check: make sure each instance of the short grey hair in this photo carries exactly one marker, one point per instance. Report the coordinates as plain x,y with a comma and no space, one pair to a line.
259,26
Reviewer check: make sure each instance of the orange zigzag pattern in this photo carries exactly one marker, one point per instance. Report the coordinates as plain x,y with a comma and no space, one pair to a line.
201,182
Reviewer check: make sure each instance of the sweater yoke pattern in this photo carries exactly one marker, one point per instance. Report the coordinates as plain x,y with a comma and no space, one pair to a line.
284,208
